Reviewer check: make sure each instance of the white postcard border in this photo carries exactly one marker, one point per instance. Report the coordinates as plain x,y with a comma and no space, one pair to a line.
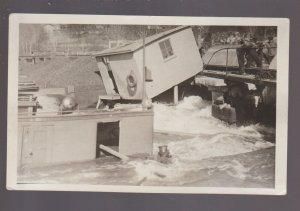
281,109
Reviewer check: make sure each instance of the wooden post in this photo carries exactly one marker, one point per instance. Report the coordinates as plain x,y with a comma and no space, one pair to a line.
30,108
71,91
144,100
216,91
215,95
176,95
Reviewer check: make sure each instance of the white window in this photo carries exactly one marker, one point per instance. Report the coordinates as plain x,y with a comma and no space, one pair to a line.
166,48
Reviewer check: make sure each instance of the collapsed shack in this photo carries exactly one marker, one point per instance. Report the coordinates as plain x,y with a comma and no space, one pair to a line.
172,57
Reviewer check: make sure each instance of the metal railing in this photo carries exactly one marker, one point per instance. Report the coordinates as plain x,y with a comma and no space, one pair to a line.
227,51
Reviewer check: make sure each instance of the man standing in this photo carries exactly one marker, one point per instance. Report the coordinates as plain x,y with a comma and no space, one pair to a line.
247,51
271,46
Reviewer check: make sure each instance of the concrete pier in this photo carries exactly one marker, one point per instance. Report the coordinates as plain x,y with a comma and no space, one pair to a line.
232,98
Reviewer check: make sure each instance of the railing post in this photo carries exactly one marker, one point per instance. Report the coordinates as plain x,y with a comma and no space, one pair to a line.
175,94
144,103
226,61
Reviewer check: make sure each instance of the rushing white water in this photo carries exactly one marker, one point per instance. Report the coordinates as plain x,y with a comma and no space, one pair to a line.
193,115
214,154
211,138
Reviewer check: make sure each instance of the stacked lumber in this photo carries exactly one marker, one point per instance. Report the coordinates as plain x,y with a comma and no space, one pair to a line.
27,102
27,86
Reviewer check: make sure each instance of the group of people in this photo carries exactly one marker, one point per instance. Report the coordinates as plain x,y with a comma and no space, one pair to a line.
226,38
251,53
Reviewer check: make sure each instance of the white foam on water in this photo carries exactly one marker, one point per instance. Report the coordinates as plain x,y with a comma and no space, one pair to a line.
215,139
193,115
186,155
219,145
235,169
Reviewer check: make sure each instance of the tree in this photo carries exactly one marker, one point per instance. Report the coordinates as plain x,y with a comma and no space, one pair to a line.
32,38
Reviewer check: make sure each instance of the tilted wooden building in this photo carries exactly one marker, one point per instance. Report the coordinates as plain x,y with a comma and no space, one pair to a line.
171,58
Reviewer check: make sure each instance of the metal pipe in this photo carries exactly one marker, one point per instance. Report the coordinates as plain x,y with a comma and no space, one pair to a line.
205,66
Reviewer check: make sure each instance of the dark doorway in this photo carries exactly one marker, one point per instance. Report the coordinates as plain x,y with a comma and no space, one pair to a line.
107,135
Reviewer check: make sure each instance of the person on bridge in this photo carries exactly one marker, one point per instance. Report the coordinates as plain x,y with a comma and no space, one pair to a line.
247,52
271,48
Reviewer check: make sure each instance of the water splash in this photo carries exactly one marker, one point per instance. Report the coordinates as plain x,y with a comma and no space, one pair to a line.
214,139
193,115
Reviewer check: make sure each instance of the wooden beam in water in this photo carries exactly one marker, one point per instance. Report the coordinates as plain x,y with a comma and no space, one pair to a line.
113,152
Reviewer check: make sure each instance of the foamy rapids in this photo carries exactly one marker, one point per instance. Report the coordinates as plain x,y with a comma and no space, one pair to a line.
210,138
202,141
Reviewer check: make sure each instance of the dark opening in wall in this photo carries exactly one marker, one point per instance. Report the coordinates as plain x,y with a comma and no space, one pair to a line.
108,134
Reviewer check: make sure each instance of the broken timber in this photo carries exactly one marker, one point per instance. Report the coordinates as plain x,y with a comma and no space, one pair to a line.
113,152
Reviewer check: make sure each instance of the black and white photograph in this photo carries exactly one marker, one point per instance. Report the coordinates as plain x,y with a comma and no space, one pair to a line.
147,104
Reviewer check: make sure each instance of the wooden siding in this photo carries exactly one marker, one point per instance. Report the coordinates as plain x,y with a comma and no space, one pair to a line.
166,73
122,65
73,137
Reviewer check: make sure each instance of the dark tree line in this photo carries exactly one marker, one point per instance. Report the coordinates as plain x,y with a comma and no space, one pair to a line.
36,38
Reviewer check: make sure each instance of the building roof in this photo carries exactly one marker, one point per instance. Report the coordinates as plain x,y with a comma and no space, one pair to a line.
138,44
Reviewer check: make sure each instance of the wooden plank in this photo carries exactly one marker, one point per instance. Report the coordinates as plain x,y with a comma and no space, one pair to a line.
113,152
27,103
27,85
24,94
26,82
28,89
109,97
108,84
249,70
235,77
86,115
26,98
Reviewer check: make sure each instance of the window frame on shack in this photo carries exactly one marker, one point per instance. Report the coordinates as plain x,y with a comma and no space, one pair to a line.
165,47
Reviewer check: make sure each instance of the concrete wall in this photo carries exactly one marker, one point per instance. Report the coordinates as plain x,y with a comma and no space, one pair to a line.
185,63
49,140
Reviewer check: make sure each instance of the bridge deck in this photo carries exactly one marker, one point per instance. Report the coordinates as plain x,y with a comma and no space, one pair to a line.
248,78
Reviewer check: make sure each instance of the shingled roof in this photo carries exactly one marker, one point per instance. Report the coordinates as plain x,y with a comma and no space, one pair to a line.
138,44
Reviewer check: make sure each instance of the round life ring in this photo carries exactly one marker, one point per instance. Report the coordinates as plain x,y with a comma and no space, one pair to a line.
131,80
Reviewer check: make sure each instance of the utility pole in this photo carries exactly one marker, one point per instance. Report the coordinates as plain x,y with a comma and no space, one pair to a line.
144,97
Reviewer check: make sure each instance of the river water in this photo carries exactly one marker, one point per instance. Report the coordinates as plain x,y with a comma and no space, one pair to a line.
206,152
